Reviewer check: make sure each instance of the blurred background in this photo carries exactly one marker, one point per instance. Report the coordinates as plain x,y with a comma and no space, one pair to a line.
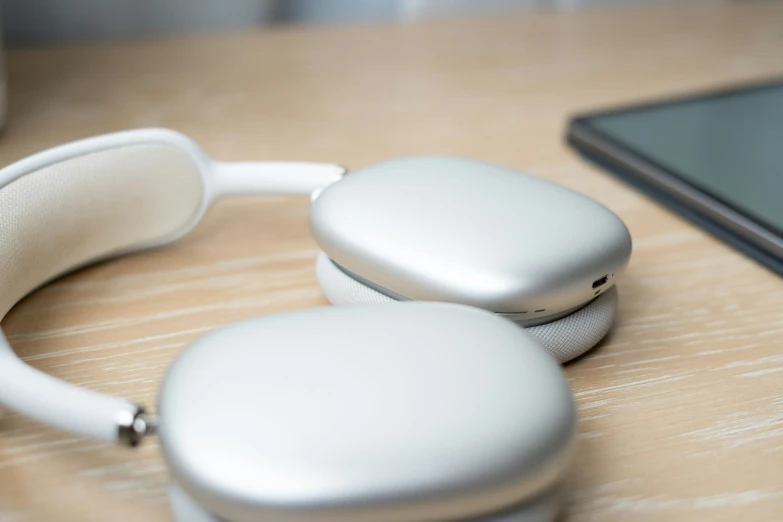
35,22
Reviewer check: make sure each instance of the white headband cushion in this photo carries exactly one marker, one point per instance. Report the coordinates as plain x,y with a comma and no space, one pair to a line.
99,197
565,338
89,207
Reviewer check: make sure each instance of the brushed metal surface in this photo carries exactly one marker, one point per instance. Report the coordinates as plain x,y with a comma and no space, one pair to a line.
543,508
399,412
443,228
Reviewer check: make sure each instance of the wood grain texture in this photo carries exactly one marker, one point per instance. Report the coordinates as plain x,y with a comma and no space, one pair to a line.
681,406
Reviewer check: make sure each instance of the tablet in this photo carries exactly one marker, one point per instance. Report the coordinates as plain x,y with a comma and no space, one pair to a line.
714,158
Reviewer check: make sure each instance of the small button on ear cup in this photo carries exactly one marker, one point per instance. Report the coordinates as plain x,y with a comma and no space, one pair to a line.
565,338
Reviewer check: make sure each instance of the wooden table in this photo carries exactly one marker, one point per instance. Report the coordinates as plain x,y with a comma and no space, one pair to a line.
681,407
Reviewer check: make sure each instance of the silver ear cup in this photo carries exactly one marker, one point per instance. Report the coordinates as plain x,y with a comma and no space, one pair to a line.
544,508
565,338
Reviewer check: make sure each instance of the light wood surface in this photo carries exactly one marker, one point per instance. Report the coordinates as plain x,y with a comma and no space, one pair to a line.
681,407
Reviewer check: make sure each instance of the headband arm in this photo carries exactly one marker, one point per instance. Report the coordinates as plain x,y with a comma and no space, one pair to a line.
84,166
273,177
66,406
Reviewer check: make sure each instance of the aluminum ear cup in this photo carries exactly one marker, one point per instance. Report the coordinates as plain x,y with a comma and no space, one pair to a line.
464,231
543,508
403,412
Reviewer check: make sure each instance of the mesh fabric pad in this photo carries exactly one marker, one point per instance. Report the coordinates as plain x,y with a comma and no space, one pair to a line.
564,338
75,211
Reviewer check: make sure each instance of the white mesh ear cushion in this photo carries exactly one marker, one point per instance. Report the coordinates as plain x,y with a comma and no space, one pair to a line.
574,334
75,211
565,338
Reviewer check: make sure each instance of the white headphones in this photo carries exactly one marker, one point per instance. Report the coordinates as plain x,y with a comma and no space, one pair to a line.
390,412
